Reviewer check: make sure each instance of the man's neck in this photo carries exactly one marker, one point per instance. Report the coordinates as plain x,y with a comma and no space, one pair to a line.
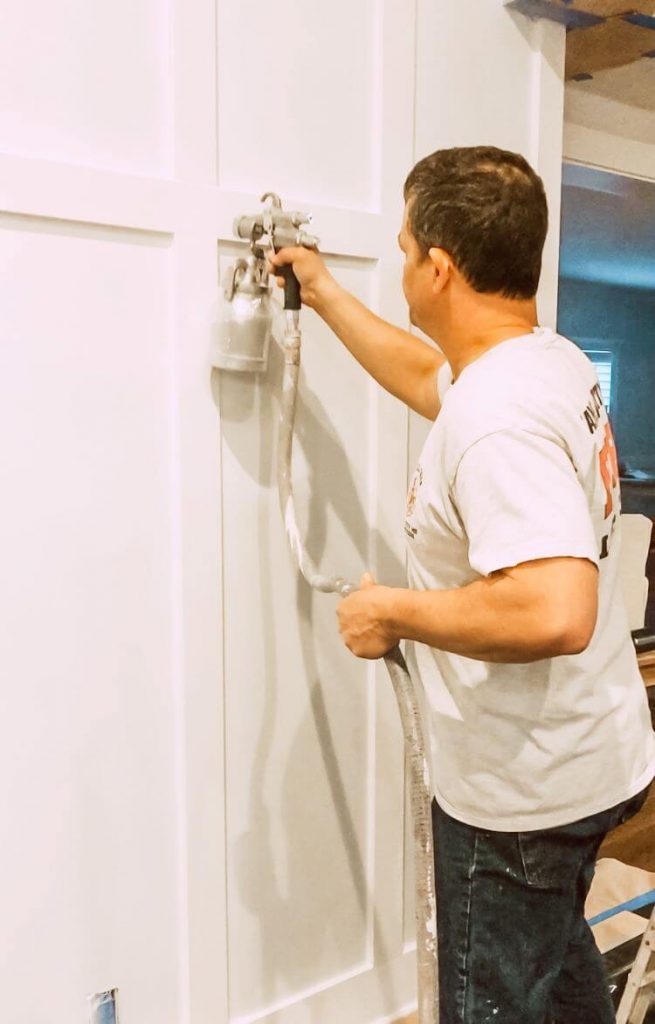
481,325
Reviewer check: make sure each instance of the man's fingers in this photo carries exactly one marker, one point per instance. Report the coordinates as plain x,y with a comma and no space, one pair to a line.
288,255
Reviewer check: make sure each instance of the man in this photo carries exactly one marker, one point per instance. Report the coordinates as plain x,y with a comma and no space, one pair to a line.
537,716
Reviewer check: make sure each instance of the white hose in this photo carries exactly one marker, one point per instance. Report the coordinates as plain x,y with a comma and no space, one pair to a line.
420,790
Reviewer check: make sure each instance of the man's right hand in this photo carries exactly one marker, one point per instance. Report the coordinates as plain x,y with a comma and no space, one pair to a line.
316,281
401,363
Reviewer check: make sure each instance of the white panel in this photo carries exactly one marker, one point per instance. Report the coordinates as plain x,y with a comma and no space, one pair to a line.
314,769
297,708
87,83
298,96
89,862
488,76
199,640
473,73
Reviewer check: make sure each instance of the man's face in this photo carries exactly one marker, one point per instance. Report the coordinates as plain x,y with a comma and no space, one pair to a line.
418,275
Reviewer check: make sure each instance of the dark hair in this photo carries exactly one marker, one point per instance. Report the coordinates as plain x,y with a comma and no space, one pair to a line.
487,208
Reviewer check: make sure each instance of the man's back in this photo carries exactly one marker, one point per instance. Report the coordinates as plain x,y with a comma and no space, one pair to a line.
520,465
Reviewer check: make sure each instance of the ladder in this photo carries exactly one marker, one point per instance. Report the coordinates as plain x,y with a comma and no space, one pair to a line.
640,985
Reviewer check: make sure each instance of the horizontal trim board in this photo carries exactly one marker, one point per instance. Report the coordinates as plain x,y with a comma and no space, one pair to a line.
37,188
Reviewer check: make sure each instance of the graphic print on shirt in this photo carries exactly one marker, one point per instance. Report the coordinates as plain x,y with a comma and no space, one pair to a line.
417,480
608,462
609,469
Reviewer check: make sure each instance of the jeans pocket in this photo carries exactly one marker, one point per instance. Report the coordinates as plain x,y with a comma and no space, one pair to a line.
549,861
632,807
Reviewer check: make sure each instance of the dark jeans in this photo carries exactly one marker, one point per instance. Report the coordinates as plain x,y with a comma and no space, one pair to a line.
514,946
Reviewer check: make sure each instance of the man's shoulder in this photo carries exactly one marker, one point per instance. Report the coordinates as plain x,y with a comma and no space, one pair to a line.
517,383
528,394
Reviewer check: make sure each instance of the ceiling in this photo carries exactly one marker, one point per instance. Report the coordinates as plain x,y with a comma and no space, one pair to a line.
610,45
633,84
608,231
608,220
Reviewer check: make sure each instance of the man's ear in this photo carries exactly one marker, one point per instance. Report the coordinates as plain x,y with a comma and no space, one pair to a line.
443,267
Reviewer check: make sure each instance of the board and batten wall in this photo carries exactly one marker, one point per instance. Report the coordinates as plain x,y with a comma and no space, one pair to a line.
202,791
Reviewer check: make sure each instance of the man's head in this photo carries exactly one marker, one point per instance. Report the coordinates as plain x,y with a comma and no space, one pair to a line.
475,214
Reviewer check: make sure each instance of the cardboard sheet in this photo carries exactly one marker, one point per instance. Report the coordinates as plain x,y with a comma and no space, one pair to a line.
615,883
605,8
610,44
608,8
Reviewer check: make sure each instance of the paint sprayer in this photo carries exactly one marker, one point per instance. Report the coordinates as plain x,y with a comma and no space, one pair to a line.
241,343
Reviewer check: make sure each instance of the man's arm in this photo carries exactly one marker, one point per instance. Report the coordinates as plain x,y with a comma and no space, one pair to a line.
402,364
536,610
539,609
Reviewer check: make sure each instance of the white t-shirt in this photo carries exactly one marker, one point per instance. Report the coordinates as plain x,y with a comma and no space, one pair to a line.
520,464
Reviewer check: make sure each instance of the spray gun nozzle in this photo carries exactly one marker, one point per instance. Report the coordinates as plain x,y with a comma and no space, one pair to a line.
242,338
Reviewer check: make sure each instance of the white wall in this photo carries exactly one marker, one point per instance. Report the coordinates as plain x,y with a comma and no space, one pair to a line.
202,789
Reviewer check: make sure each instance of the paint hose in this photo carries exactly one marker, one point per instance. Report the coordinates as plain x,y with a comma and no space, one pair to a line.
408,706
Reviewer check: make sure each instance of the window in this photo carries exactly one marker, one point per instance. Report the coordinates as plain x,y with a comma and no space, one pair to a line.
603,363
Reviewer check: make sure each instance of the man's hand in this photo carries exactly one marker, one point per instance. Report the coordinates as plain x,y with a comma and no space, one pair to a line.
316,281
363,620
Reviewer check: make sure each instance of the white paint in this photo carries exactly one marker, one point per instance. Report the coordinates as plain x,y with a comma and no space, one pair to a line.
193,763
87,83
90,862
290,55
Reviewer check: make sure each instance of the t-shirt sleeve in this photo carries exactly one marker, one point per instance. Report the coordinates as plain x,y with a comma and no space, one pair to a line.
519,498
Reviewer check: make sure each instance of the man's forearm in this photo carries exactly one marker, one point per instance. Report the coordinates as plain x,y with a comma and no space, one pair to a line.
401,363
488,620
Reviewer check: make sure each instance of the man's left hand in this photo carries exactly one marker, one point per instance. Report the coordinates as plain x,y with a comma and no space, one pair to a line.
364,619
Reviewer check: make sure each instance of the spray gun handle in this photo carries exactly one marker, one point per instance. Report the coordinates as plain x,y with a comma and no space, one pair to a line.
291,286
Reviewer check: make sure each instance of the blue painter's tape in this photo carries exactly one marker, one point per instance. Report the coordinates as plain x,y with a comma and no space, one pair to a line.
643,20
564,15
645,900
